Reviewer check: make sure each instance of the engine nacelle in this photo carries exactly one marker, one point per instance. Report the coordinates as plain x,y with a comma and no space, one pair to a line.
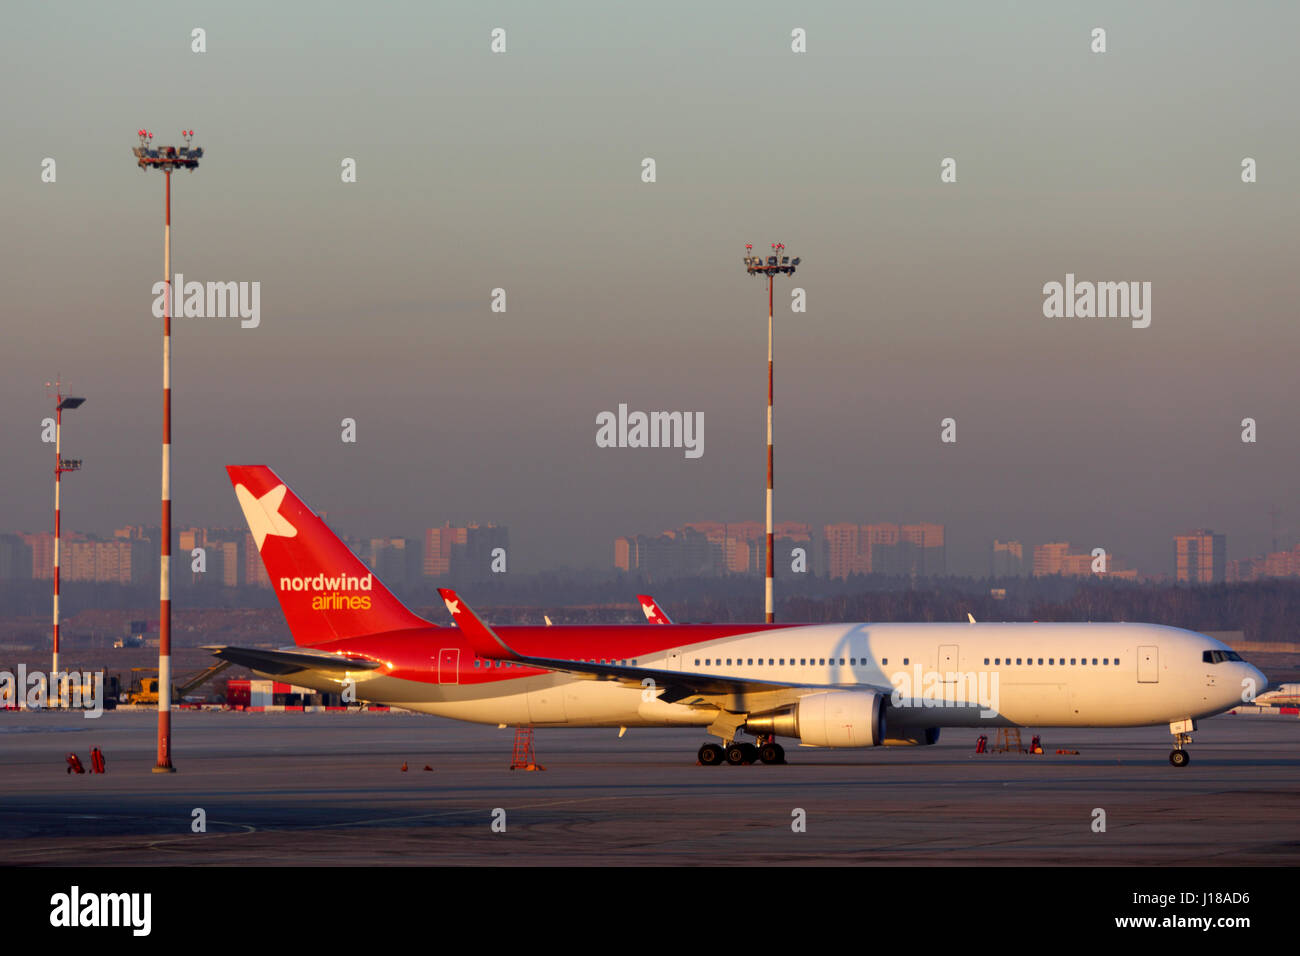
833,719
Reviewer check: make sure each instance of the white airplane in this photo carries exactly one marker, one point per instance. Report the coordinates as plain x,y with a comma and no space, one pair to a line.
825,685
1284,695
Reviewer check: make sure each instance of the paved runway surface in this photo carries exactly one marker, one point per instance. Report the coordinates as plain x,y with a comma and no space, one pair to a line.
322,789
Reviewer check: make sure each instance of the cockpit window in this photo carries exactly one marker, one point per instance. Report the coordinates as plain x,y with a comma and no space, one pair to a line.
1218,657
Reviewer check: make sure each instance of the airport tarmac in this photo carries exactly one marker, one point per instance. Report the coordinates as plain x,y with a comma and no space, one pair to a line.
324,789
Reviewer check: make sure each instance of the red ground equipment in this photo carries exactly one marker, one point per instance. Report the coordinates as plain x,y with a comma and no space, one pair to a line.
523,757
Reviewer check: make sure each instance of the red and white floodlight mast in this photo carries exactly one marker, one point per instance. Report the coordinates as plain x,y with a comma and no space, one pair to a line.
61,465
168,159
776,263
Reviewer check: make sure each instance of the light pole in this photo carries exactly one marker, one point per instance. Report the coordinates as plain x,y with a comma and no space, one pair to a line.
166,158
61,465
776,263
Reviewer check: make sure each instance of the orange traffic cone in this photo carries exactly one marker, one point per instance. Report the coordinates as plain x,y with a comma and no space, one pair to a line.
403,766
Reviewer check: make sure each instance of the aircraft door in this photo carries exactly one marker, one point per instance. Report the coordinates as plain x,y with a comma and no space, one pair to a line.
948,662
1148,664
449,665
674,660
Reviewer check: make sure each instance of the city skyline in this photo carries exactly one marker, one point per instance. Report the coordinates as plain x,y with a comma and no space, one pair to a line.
831,551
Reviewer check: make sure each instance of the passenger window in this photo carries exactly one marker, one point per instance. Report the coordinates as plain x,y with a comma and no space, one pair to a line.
770,661
803,662
997,661
697,662
751,662
1072,660
1106,661
884,662
1094,662
1018,660
728,661
986,662
1117,662
1051,660
906,661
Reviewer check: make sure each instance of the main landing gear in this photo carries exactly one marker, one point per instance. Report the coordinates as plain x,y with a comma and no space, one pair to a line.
1182,731
738,754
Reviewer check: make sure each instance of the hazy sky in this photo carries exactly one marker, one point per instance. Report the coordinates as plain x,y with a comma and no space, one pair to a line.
522,171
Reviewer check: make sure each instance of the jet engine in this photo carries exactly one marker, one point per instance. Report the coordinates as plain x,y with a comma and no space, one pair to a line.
833,719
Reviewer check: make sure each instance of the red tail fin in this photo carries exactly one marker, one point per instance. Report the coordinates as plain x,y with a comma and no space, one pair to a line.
325,591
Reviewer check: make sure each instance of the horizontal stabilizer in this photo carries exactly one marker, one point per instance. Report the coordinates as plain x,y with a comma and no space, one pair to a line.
290,662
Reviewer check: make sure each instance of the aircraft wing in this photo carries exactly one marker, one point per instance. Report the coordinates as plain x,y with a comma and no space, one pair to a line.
279,662
679,686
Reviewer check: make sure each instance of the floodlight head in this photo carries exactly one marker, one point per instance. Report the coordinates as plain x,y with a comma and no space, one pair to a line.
794,261
71,403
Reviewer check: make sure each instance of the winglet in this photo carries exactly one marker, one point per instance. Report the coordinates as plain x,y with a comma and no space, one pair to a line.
482,638
653,613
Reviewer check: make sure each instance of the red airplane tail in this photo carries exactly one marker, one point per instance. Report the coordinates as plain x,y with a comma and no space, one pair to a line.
325,591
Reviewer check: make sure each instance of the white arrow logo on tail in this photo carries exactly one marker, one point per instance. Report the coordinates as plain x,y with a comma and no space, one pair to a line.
263,514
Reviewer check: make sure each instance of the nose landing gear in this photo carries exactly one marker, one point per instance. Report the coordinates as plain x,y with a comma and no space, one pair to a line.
1182,731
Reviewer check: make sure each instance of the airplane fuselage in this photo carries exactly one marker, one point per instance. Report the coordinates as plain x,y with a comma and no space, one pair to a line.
936,675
